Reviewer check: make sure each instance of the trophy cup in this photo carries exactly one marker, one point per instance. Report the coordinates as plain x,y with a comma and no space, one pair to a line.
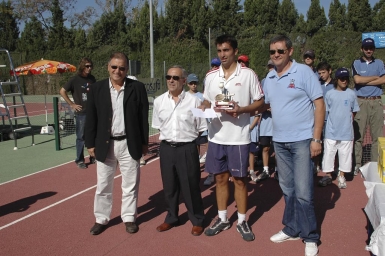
222,101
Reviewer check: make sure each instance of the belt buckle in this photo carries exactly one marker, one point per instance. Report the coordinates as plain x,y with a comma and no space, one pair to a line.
173,145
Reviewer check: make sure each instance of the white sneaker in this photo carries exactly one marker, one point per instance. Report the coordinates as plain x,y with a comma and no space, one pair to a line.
253,176
209,180
142,161
341,181
202,159
282,237
311,249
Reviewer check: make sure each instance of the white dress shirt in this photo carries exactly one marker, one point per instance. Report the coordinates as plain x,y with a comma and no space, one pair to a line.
117,127
175,121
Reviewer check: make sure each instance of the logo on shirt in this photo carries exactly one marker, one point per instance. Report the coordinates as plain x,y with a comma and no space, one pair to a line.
345,102
238,84
291,85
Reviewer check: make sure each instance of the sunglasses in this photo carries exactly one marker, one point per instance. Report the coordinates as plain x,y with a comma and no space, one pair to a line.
120,68
88,66
193,82
280,51
343,79
368,48
176,78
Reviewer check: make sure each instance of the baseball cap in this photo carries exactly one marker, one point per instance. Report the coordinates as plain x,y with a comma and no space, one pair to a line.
243,58
342,72
215,62
309,53
368,42
270,63
192,78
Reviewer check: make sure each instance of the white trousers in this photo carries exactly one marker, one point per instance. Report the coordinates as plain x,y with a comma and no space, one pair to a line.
345,150
129,168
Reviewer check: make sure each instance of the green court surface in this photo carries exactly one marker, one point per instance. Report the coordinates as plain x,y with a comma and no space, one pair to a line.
29,159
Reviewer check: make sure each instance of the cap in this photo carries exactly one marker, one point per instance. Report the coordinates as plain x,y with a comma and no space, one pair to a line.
342,72
270,63
309,53
192,78
368,42
243,58
215,62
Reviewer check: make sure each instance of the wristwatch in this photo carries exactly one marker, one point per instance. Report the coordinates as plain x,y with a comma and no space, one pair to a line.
318,141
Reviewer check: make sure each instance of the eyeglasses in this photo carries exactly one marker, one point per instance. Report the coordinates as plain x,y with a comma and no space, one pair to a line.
368,48
176,78
120,68
88,66
280,51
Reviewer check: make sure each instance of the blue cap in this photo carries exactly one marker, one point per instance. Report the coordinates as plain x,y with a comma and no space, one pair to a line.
342,72
192,78
215,62
368,42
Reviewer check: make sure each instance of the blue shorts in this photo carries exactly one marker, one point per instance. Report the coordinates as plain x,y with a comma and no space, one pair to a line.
232,158
254,148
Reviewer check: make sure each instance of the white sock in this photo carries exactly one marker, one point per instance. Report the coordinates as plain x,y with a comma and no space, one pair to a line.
223,215
251,171
266,169
241,217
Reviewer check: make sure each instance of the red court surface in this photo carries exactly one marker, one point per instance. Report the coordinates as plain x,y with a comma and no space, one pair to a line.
51,213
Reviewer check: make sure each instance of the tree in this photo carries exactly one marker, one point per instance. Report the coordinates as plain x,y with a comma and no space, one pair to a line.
8,27
316,18
32,42
300,26
56,30
287,17
199,20
337,16
225,17
379,16
360,15
262,14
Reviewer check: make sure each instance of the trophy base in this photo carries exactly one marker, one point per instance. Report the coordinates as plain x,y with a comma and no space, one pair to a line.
224,105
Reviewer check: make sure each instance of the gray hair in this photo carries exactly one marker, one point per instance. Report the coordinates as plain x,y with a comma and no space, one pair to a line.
184,72
282,38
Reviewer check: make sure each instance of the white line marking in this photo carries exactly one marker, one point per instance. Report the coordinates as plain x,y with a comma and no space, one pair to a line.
59,202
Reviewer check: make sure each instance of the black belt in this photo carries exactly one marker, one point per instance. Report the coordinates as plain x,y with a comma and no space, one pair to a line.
176,144
369,98
118,137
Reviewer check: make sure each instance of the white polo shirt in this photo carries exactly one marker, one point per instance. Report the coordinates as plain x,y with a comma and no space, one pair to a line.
245,86
175,121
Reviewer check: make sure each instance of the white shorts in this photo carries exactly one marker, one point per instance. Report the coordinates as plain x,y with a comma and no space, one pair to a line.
345,150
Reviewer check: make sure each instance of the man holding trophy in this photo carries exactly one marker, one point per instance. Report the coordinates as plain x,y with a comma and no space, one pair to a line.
229,91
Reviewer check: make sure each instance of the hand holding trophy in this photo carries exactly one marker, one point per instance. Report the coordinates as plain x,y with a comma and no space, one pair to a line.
223,100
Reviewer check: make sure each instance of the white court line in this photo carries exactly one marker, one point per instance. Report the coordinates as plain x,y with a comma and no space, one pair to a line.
35,173
59,202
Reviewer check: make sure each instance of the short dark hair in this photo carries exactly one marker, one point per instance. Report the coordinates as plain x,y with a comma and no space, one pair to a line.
282,38
118,55
323,66
227,39
82,64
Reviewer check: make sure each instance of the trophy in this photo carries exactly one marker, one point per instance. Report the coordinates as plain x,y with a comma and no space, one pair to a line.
222,101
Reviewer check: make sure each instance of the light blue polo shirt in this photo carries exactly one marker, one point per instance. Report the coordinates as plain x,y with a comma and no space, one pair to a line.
291,99
362,68
266,124
340,105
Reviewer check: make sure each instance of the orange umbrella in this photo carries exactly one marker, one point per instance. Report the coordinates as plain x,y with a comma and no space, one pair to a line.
43,67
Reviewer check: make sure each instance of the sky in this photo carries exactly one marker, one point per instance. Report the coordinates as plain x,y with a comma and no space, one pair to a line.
301,5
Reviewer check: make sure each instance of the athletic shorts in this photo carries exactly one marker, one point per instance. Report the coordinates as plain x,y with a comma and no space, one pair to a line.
345,150
266,141
253,147
232,158
201,140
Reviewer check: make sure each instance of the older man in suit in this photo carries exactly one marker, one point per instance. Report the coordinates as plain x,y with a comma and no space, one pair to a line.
117,134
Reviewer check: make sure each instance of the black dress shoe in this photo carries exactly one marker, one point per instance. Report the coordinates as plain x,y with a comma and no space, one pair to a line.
131,227
97,229
92,160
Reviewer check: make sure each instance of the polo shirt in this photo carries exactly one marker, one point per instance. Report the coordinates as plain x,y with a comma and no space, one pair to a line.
362,68
266,124
291,99
340,105
244,84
